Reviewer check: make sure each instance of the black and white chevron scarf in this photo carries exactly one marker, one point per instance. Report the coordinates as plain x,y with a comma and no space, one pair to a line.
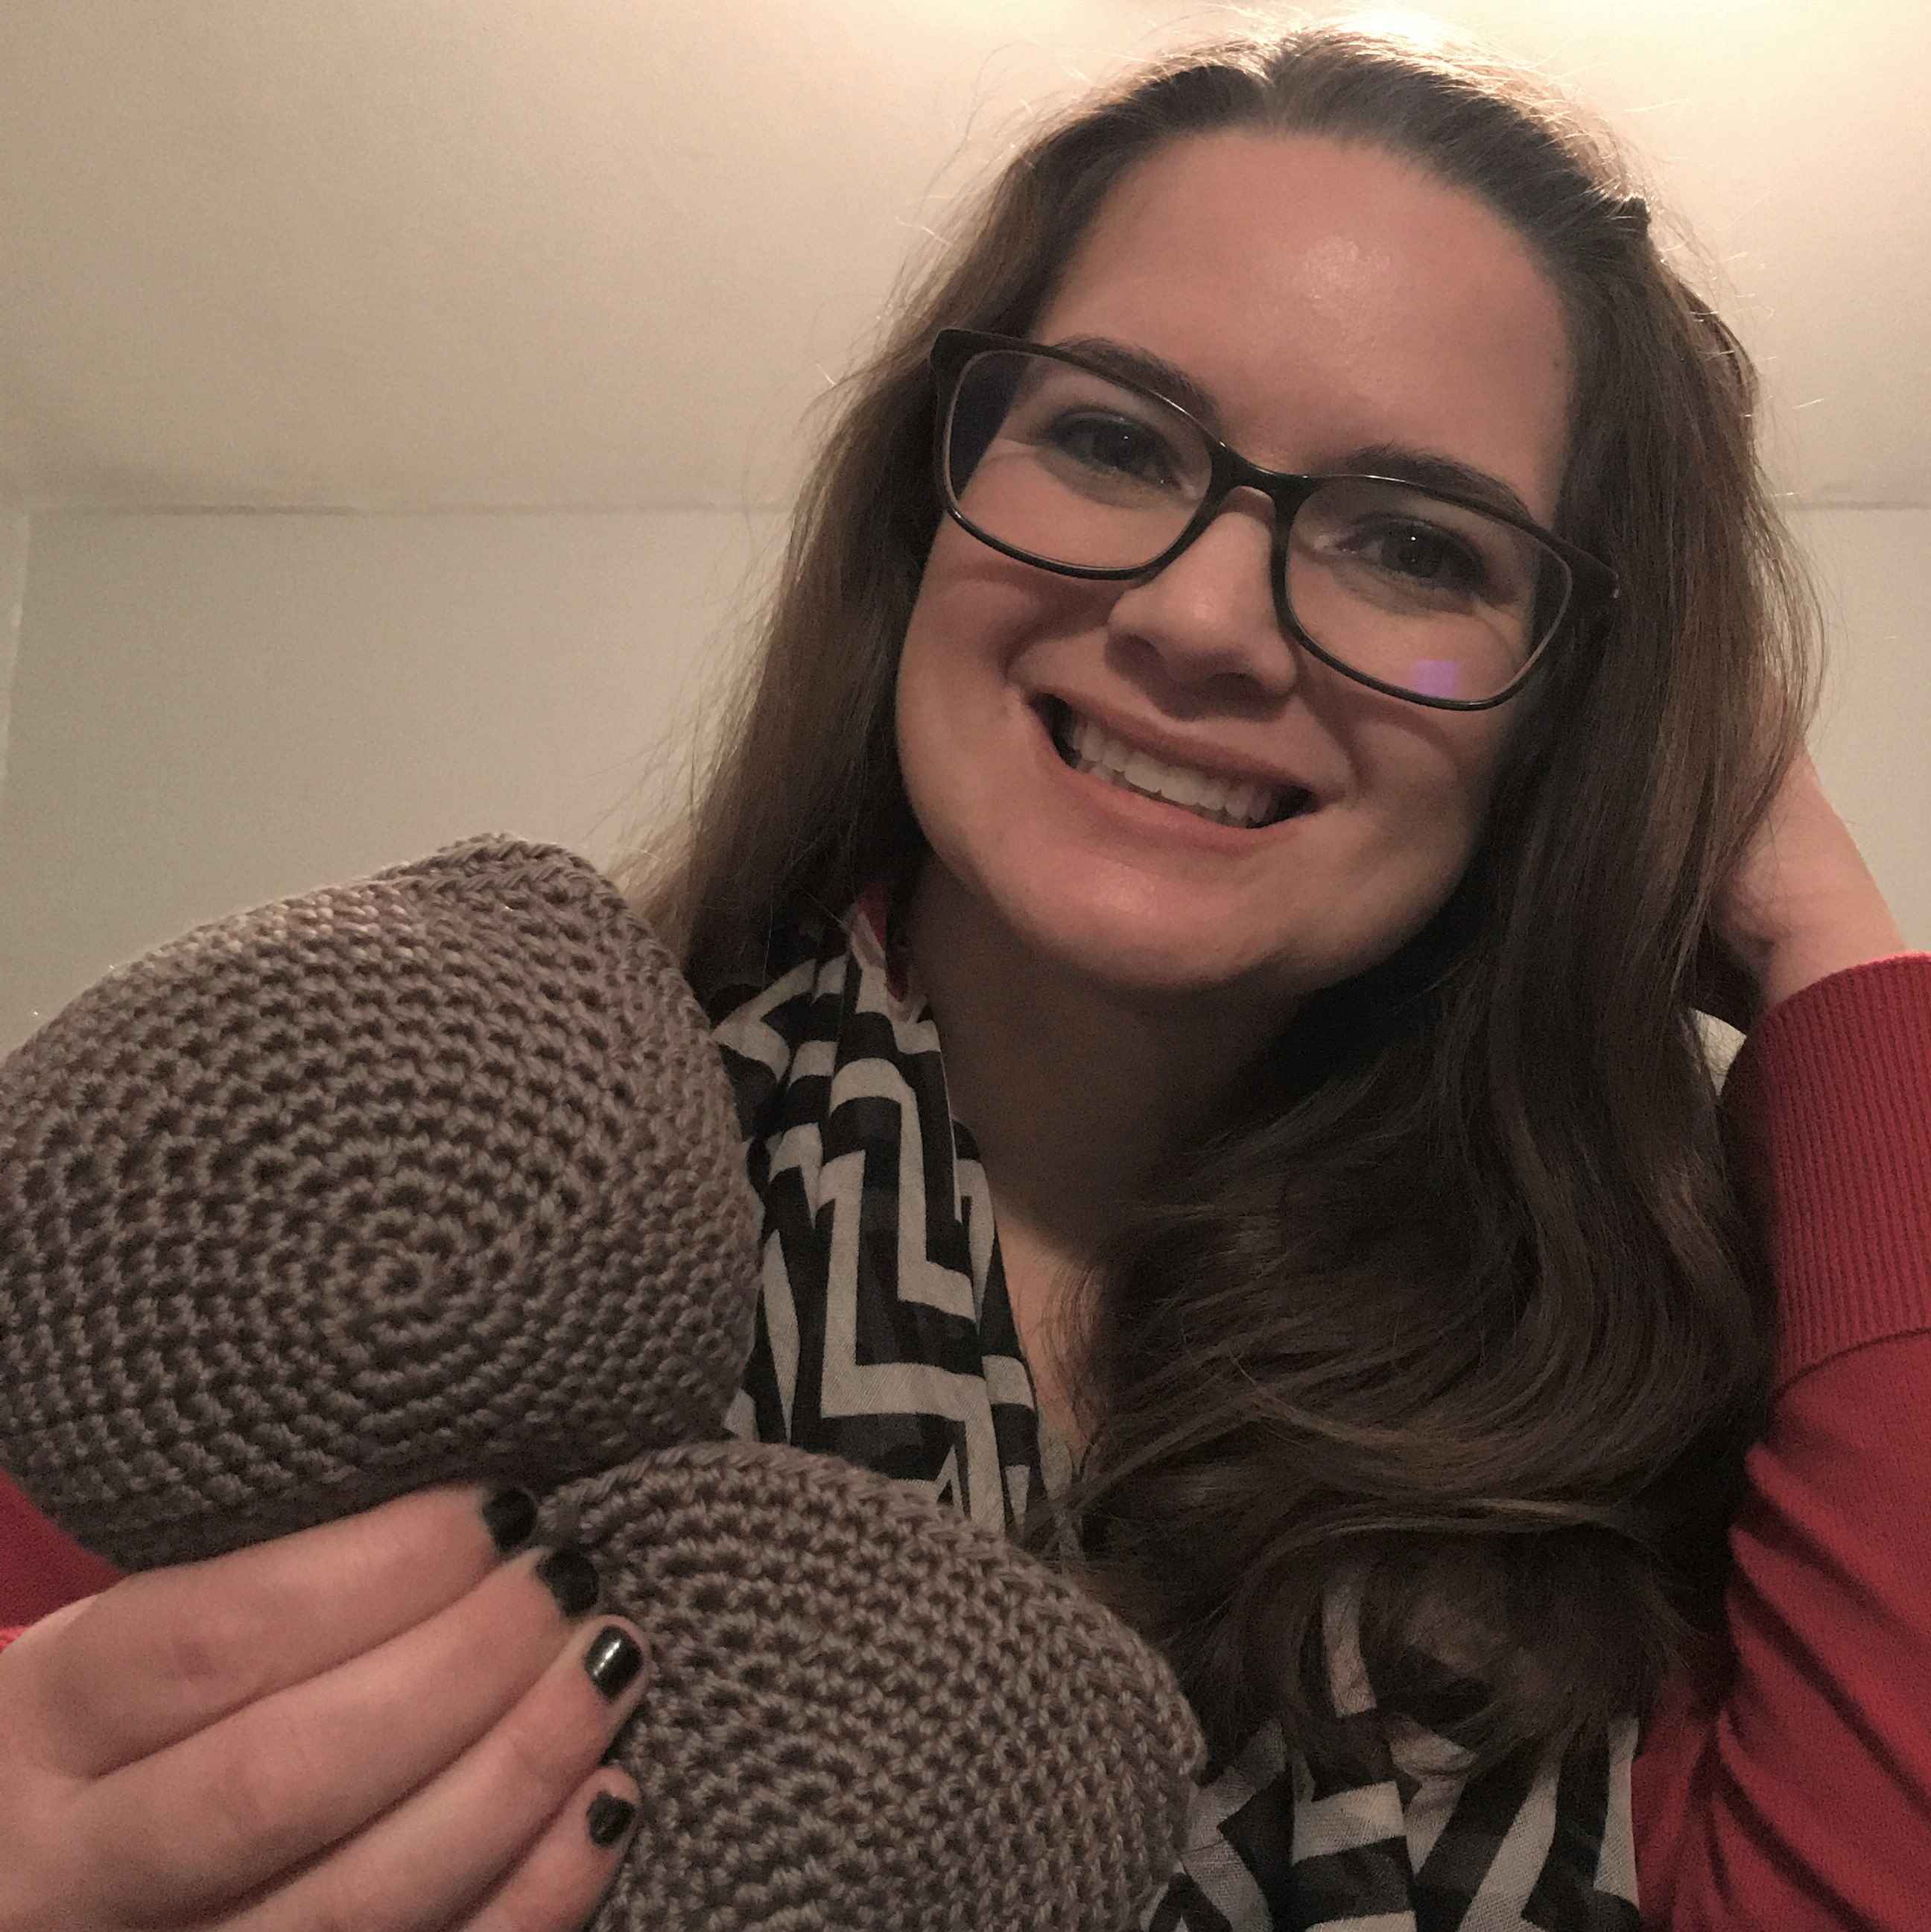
884,1337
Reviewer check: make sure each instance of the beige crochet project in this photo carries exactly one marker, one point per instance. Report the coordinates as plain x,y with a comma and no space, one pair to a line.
437,1176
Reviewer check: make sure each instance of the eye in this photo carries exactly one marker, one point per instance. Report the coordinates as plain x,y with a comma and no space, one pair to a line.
1114,446
1422,555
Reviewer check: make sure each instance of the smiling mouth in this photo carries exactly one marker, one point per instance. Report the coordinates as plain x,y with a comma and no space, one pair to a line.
1247,804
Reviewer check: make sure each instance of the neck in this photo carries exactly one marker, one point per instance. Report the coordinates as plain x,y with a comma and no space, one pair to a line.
1073,1091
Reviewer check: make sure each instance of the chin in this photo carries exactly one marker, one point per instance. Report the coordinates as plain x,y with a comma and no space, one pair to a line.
1129,955
1180,952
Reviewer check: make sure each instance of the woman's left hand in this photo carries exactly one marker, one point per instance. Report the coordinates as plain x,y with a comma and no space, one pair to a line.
1801,903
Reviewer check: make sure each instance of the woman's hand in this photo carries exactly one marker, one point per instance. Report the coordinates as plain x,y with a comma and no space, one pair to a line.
379,1724
1801,904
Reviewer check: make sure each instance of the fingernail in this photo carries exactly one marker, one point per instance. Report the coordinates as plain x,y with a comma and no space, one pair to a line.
570,1577
613,1661
510,1516
609,1818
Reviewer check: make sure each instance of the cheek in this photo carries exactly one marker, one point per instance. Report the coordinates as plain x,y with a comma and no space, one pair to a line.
981,626
945,705
984,609
946,633
916,704
1435,782
917,697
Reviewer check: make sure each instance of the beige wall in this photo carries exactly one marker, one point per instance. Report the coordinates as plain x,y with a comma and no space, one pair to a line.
13,533
1873,738
211,710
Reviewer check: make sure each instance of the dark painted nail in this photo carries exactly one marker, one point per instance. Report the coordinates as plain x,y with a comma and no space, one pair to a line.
609,1818
613,1661
510,1516
570,1577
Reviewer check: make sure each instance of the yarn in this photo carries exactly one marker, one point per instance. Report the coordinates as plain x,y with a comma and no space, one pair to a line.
437,1176
432,1177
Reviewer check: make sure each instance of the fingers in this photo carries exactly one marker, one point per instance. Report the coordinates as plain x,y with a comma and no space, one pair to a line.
161,1656
267,1787
505,1830
556,1886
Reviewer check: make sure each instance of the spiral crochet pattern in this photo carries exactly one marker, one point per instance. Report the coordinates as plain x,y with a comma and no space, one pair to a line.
435,1176
865,1712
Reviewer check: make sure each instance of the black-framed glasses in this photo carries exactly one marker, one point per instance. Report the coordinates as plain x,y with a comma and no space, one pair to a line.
1429,594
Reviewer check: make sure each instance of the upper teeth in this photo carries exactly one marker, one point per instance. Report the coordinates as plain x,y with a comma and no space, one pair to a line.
1237,801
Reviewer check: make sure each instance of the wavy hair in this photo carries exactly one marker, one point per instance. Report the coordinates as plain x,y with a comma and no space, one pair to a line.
1457,1306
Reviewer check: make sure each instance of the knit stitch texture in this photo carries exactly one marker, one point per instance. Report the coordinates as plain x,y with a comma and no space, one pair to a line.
865,1712
438,1176
432,1177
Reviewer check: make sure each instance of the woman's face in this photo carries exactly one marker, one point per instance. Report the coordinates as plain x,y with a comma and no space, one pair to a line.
1330,300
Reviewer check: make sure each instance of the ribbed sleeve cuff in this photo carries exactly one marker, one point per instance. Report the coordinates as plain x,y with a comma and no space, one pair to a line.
1831,1095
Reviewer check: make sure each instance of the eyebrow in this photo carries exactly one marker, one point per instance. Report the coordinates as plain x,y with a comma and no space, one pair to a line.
1426,468
1149,370
1429,470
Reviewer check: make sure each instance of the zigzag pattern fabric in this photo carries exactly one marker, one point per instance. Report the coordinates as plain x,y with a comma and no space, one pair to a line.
884,1337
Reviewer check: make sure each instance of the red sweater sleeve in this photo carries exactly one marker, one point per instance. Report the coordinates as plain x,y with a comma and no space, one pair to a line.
1795,1793
40,1569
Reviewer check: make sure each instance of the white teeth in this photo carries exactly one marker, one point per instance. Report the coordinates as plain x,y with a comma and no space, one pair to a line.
1235,801
1184,787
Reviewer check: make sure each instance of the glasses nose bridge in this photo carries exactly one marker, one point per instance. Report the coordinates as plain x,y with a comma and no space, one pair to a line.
1286,489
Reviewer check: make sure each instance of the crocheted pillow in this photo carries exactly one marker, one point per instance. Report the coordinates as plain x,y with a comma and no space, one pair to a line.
437,1176
866,1714
429,1177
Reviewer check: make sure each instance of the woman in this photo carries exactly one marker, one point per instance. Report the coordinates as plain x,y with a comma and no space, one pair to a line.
1330,712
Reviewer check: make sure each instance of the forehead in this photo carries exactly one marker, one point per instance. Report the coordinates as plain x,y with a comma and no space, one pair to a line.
1331,296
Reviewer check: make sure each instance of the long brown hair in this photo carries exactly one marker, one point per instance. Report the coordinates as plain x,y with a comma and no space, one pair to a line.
1457,1306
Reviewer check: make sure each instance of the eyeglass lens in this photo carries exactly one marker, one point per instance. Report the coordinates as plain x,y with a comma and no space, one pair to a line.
1072,468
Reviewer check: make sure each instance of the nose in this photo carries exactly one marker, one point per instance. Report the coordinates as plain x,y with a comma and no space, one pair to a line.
1210,615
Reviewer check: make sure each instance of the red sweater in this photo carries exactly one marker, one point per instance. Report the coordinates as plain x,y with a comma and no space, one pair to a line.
1792,1793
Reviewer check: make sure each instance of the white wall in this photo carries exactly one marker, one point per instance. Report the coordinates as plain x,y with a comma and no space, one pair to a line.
14,536
210,711
213,710
1873,736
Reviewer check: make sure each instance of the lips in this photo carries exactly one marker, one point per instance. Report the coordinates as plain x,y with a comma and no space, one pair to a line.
1246,803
